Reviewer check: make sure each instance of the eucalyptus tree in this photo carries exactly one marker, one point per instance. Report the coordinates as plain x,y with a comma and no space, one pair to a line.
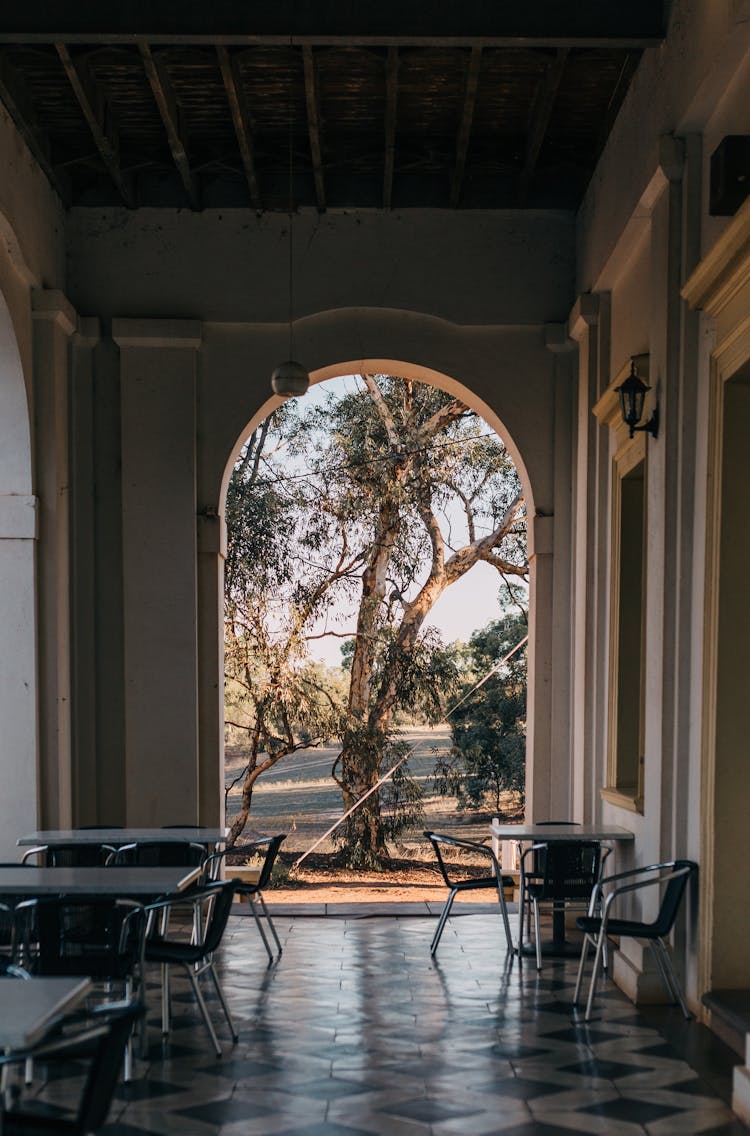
386,496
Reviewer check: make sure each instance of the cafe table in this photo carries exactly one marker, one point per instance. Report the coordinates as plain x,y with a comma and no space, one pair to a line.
117,836
28,1006
557,833
134,883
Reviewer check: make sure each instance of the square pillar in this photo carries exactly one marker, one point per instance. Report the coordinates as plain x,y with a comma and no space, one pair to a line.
158,407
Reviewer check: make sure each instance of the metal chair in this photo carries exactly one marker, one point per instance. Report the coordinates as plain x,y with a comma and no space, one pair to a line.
196,958
268,846
104,1039
673,875
558,873
461,882
69,855
98,937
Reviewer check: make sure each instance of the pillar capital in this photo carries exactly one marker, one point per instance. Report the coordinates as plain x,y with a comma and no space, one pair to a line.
53,305
541,533
556,338
671,157
584,314
155,333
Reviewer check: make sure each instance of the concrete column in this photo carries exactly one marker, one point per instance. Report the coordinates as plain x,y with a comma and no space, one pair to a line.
18,707
54,323
84,669
562,754
543,792
212,550
583,328
158,391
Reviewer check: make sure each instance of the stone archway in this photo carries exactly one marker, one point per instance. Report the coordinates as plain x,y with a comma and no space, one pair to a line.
18,687
539,739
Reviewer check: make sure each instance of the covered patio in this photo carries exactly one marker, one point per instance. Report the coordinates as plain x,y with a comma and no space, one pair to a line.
519,206
374,1037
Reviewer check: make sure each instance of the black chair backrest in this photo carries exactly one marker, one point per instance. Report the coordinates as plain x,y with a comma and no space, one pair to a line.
268,846
221,895
100,937
672,896
451,873
436,840
161,854
567,869
272,851
75,855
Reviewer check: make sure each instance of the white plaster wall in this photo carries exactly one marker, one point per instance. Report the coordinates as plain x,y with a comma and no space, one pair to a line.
507,369
676,89
468,267
31,253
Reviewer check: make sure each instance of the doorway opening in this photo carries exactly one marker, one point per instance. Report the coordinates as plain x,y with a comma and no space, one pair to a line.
374,685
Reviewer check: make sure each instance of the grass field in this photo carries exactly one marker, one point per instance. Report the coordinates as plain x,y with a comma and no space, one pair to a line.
299,796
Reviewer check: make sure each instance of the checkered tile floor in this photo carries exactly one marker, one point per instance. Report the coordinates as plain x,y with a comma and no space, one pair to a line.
356,1031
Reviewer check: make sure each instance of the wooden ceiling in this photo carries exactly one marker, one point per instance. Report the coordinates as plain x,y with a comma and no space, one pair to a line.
328,104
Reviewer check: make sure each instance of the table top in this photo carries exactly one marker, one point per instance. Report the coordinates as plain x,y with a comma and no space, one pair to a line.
27,1006
133,882
119,836
559,832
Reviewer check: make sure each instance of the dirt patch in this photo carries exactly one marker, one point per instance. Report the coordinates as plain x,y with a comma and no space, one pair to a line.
405,881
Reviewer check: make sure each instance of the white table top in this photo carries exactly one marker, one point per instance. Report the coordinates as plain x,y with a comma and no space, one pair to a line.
143,883
27,1006
558,832
119,836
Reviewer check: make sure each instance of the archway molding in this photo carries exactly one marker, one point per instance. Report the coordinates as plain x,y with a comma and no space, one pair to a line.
540,757
18,682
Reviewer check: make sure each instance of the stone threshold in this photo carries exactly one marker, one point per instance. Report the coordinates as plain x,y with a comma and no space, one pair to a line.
422,909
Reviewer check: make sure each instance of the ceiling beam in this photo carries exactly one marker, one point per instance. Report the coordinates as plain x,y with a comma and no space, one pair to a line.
91,105
230,73
167,104
467,118
540,116
313,125
18,103
391,104
639,23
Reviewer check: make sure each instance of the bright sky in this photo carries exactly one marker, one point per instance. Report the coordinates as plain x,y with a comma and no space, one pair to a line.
464,607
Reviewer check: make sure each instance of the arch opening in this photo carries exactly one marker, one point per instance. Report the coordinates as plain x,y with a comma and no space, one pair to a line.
412,374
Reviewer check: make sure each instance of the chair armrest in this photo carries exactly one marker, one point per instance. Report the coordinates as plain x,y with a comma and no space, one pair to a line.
657,874
35,851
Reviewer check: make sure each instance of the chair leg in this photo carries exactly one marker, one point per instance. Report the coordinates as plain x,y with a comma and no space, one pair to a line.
166,1004
270,922
581,966
537,935
222,999
595,973
504,914
203,1008
668,975
443,919
259,925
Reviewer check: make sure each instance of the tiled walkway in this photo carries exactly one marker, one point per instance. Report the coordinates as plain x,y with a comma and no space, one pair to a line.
357,1031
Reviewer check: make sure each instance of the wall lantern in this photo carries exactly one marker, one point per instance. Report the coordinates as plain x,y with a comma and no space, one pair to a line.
632,395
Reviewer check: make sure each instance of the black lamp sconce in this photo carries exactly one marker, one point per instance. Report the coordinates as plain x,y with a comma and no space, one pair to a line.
632,394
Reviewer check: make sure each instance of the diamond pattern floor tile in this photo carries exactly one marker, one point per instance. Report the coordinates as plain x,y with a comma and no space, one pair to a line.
356,1031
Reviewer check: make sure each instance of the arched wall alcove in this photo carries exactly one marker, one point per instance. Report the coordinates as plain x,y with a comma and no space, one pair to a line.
509,377
18,754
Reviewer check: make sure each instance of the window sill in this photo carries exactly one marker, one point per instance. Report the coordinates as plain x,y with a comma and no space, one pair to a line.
625,798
